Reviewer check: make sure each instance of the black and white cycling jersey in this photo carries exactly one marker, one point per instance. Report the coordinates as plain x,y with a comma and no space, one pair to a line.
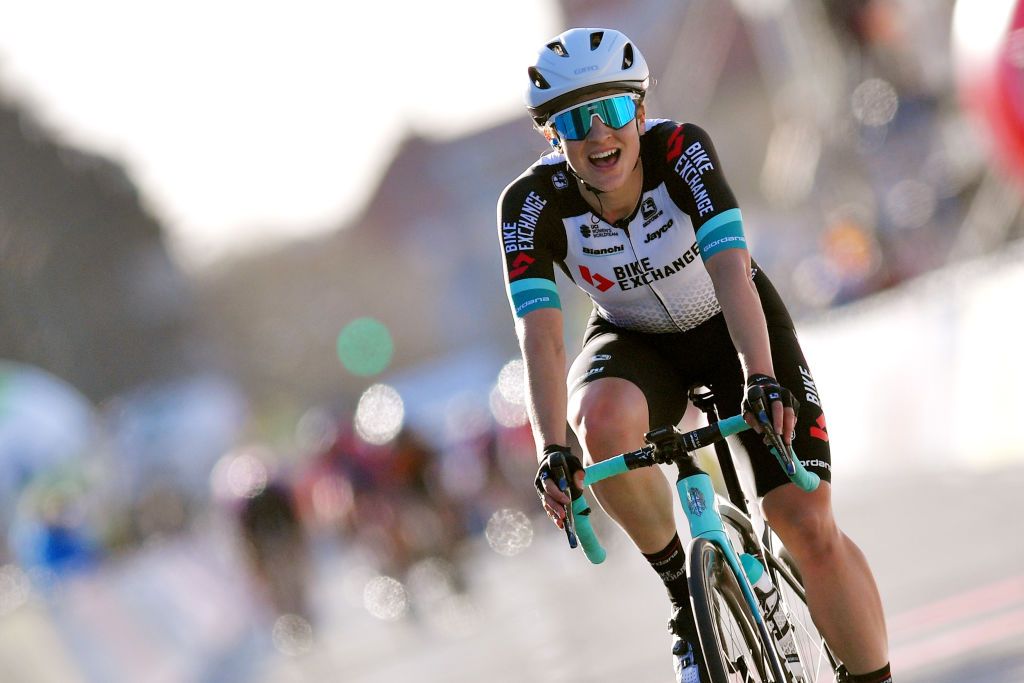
645,272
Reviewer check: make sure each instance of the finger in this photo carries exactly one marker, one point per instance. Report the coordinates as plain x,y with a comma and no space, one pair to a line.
789,426
555,511
751,421
778,412
579,479
555,493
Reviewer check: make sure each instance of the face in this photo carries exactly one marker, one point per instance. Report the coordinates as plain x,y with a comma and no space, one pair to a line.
606,158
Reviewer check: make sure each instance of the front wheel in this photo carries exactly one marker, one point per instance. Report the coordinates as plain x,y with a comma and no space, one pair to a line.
729,638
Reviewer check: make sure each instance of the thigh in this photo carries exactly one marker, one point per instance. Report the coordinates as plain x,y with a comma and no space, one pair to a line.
810,441
613,352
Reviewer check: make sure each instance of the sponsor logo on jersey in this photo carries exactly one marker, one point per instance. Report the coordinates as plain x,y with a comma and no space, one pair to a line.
648,208
518,236
559,180
600,357
596,280
659,232
519,265
675,144
607,251
640,273
593,371
820,431
810,389
598,230
816,463
691,166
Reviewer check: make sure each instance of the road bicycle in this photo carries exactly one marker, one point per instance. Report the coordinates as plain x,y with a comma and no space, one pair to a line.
748,599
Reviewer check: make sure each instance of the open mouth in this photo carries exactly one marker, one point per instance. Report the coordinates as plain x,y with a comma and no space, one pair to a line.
605,159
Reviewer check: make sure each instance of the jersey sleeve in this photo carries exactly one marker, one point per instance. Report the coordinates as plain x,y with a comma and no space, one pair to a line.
695,179
526,232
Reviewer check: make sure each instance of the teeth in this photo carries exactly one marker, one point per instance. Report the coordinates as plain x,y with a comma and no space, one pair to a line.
603,155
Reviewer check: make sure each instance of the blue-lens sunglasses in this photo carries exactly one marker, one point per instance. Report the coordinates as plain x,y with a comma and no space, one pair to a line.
615,111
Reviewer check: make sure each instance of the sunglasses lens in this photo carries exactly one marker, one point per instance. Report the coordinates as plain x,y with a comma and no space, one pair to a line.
575,123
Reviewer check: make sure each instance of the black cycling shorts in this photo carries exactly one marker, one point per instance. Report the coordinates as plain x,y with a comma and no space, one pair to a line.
665,366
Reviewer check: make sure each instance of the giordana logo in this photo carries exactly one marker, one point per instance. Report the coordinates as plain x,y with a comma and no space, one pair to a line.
559,181
648,208
585,69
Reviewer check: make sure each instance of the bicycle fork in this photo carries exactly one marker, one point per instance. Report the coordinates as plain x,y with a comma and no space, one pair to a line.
697,495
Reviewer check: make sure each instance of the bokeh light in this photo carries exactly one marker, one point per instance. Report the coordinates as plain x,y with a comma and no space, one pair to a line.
512,382
874,102
379,414
241,473
365,347
15,588
385,598
506,414
292,635
910,203
509,532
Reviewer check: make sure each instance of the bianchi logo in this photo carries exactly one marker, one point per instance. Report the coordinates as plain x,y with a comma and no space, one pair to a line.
618,248
695,501
559,181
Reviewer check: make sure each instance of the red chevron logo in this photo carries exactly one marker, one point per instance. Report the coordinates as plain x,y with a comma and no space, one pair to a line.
675,145
519,266
596,279
820,432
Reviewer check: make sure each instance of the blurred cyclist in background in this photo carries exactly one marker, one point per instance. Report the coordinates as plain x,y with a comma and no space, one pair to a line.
638,214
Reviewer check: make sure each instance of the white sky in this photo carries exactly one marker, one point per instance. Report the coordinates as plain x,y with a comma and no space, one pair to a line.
245,122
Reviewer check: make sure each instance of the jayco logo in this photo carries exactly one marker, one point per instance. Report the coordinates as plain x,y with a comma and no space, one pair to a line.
660,231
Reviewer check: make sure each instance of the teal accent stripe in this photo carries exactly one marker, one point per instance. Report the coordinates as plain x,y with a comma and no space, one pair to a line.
533,299
531,283
721,219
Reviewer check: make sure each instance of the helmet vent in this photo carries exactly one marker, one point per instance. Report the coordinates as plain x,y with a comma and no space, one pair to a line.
595,39
627,56
538,79
558,48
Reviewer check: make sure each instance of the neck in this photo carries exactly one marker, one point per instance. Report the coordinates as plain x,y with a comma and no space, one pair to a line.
614,205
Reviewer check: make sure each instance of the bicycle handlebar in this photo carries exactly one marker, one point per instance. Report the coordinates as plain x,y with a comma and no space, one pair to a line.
689,442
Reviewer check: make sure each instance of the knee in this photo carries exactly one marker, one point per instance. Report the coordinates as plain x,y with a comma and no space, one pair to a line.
810,533
612,414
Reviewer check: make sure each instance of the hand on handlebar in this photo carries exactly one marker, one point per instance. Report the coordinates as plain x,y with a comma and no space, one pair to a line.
768,404
559,465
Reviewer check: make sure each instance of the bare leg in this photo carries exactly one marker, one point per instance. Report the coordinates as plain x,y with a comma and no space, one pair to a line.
609,417
841,592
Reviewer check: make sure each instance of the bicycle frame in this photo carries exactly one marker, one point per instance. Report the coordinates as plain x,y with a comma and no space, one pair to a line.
696,495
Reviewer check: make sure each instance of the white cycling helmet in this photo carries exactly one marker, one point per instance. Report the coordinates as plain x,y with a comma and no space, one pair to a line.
580,61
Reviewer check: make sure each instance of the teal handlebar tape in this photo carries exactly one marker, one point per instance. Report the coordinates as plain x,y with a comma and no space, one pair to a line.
604,469
808,481
732,425
592,547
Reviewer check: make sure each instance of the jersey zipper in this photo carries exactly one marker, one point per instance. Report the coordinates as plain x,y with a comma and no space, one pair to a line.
636,258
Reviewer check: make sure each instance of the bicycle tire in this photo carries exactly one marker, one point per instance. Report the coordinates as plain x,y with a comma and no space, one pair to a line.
733,650
819,663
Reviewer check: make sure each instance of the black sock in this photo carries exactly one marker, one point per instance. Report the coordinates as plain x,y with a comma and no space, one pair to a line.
670,563
880,676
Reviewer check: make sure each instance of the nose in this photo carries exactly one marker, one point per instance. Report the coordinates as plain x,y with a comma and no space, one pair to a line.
598,128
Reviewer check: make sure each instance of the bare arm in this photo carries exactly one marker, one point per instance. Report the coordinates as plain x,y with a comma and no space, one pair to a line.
741,306
541,341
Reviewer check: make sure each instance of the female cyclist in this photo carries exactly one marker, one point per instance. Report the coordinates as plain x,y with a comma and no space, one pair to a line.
638,214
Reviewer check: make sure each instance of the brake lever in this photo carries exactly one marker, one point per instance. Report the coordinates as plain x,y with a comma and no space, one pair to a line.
562,482
773,440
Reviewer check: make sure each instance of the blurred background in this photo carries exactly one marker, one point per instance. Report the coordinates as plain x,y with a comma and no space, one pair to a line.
261,407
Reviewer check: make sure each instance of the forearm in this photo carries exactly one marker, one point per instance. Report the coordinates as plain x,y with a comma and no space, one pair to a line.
744,316
544,358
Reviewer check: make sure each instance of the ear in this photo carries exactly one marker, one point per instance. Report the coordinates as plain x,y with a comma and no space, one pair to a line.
641,118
